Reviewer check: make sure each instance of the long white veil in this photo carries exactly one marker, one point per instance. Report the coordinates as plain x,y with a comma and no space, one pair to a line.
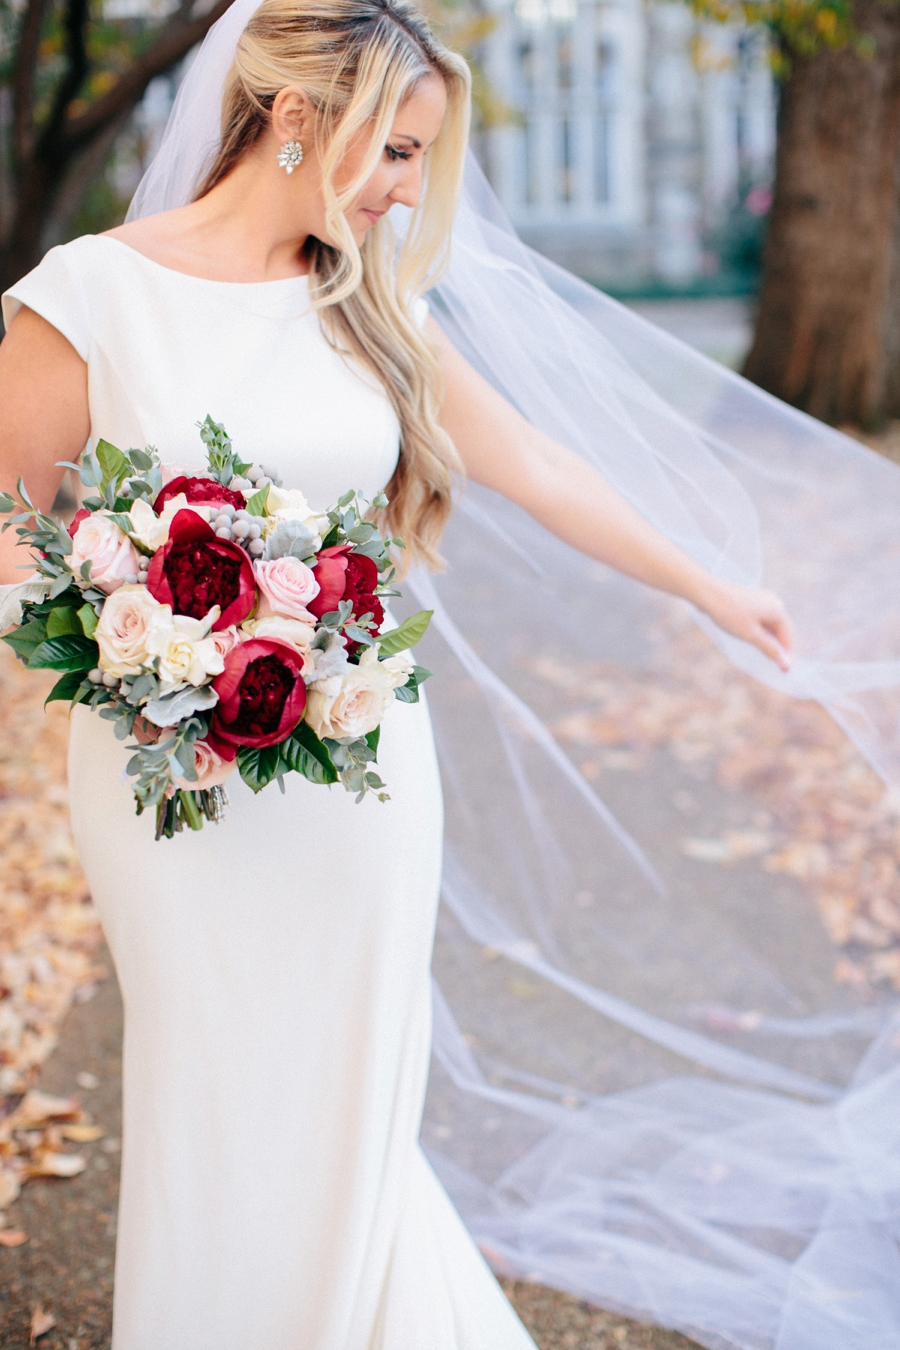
649,1088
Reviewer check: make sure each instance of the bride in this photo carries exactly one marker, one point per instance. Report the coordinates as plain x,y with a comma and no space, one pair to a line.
275,970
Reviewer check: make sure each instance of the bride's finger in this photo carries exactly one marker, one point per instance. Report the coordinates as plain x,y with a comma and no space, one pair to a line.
771,646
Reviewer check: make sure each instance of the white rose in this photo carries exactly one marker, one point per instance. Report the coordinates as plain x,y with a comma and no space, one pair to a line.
287,504
292,631
399,666
358,702
186,651
123,629
153,530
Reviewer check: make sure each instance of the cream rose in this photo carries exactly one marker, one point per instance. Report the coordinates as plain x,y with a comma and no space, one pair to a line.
286,585
399,667
211,769
123,629
287,504
186,650
354,703
108,549
292,631
153,530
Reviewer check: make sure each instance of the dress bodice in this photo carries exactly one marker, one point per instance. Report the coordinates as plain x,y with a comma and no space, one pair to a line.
163,349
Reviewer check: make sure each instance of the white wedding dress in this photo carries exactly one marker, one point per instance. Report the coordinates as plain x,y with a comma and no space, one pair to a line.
274,968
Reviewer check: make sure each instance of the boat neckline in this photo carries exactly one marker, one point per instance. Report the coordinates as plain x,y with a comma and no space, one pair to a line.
207,281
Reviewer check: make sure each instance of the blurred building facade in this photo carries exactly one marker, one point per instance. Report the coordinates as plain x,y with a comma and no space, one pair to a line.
633,136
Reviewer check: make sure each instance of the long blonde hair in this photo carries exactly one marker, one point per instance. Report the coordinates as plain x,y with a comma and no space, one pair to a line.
358,61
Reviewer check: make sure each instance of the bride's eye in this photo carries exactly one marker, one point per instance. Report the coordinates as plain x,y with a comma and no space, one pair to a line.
393,152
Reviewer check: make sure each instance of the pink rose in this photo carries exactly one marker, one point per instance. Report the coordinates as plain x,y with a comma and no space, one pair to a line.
113,559
227,639
286,585
211,769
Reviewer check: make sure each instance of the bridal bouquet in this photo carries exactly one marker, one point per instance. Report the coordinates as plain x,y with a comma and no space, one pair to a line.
219,622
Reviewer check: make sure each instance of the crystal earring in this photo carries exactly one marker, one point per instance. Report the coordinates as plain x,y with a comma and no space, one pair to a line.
290,155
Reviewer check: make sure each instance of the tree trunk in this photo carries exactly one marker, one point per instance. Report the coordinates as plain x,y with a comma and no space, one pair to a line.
826,337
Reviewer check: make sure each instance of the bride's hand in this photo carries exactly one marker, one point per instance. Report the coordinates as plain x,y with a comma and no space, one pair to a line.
758,616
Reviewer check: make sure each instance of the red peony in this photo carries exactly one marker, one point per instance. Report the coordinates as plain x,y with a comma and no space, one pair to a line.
343,575
81,514
194,571
261,696
199,490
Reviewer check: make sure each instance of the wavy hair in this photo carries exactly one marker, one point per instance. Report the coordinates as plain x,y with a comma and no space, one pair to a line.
358,61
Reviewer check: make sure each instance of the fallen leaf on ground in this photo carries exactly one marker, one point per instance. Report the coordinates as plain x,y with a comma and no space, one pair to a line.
12,1237
49,930
41,1323
56,1165
82,1134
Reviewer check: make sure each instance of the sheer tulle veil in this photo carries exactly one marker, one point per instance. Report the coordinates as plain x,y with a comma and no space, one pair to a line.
648,1088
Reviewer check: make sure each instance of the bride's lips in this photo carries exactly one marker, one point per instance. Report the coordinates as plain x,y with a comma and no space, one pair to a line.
374,216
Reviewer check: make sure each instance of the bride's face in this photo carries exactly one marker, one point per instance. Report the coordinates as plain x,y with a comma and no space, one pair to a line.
398,176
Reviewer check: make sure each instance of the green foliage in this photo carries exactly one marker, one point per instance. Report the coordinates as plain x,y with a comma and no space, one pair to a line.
410,631
800,27
67,652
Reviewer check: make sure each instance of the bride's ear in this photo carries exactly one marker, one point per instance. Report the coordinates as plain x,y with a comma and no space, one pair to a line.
292,115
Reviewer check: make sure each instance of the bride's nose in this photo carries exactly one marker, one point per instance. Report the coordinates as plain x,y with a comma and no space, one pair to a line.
408,188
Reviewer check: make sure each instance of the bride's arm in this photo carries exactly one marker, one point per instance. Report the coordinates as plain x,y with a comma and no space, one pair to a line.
500,449
44,417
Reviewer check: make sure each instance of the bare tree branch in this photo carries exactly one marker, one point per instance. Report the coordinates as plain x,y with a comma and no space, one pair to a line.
175,41
78,66
23,77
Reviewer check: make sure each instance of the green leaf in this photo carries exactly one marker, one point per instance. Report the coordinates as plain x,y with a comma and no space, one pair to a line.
372,739
65,653
304,753
65,688
62,620
113,463
259,767
141,460
257,503
411,631
89,620
25,640
407,693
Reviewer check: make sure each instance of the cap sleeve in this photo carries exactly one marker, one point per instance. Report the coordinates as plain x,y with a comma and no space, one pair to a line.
55,291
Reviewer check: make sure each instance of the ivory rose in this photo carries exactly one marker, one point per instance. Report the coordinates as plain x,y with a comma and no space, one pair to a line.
123,629
354,703
292,631
153,530
286,585
110,552
187,652
211,769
